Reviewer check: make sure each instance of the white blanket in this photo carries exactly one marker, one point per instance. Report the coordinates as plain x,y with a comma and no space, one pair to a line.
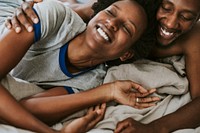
168,78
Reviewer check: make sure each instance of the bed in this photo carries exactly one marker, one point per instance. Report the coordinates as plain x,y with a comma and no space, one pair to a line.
167,75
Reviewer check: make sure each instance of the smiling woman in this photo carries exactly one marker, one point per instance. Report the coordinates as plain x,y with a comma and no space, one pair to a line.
147,41
118,30
62,55
111,34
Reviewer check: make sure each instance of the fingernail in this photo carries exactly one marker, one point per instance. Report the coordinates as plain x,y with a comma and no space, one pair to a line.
35,20
104,105
9,26
98,111
17,29
30,28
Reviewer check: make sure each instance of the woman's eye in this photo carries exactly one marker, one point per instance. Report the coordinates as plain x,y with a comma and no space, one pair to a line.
110,12
127,30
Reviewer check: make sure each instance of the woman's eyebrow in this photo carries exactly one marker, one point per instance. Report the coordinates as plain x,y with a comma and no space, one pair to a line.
117,7
132,23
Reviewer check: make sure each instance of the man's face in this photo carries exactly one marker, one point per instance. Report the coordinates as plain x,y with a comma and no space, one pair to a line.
176,17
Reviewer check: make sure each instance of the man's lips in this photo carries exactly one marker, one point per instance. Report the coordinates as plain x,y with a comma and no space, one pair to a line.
166,34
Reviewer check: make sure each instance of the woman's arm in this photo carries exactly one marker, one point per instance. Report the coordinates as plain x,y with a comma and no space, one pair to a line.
12,48
12,113
54,105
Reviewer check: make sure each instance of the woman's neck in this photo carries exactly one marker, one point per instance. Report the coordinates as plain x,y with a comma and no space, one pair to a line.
79,54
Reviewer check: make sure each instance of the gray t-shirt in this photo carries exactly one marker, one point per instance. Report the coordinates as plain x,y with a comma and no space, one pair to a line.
44,63
7,9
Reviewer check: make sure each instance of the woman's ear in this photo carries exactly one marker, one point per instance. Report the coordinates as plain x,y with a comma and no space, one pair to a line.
128,55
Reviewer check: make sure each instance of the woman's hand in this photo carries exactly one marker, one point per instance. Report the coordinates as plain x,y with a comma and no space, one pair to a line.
132,94
22,16
87,122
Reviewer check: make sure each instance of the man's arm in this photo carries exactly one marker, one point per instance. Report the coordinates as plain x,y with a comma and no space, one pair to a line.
25,12
84,10
189,46
188,115
185,117
192,59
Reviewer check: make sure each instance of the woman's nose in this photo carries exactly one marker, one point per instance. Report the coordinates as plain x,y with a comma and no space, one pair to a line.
113,24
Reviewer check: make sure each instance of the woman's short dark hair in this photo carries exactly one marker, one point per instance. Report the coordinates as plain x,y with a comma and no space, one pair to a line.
147,41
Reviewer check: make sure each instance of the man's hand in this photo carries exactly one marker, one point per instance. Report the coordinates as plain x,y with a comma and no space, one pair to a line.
131,126
22,16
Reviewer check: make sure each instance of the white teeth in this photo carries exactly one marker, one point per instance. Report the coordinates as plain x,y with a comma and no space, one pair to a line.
102,33
166,32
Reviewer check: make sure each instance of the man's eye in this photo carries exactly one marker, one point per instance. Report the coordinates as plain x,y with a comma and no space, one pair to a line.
185,18
166,8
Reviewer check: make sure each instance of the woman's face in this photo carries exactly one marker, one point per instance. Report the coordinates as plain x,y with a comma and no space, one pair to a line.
176,17
113,31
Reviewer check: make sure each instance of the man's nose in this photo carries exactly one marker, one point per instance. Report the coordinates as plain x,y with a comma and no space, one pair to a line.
171,21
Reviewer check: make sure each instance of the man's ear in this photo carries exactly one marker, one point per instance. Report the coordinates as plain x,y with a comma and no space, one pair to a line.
128,55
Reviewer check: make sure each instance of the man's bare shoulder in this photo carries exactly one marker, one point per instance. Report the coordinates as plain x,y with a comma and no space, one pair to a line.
191,40
195,30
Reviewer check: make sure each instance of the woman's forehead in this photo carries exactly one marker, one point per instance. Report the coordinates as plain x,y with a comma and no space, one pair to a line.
133,11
